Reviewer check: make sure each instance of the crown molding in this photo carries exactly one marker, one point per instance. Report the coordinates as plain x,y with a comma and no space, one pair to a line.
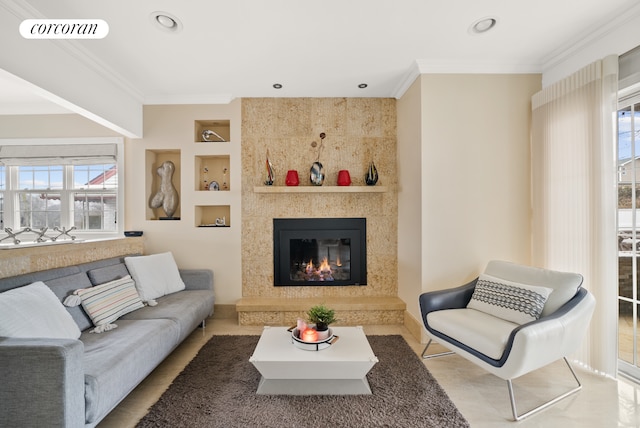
440,66
407,80
607,26
188,99
23,10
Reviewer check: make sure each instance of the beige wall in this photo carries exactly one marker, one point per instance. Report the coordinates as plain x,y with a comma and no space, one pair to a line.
171,128
410,203
357,131
51,126
443,226
475,175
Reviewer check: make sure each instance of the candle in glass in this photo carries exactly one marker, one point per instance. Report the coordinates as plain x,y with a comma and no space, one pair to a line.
310,335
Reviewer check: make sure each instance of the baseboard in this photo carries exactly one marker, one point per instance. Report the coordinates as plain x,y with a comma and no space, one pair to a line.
415,327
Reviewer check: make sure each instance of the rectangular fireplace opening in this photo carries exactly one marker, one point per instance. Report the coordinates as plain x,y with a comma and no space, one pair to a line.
320,251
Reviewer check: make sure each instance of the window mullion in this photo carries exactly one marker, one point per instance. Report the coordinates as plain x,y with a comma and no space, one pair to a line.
66,198
11,216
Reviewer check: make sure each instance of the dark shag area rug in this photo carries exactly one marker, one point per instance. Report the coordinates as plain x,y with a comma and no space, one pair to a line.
218,389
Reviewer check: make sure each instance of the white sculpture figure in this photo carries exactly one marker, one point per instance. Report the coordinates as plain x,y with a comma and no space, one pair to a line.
167,195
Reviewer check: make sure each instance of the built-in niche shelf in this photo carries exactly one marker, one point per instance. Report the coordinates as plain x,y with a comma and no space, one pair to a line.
212,172
212,131
154,159
320,189
213,216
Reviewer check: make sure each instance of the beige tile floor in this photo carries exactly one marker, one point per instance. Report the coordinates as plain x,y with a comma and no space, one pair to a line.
482,398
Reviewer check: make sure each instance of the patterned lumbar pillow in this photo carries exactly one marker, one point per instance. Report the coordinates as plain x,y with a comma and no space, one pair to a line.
107,302
511,301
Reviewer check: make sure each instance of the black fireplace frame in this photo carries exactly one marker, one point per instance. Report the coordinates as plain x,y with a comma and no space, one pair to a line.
284,229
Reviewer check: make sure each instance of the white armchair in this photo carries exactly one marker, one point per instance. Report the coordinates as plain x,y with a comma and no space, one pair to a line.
511,320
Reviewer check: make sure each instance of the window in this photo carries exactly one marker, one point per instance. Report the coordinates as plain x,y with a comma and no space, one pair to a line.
55,186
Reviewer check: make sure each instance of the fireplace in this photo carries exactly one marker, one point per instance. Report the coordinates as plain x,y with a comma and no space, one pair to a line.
319,251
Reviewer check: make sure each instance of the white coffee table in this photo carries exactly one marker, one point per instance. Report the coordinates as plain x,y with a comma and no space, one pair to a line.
339,369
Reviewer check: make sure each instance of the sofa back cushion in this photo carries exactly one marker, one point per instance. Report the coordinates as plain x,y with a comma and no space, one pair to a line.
65,286
564,284
107,273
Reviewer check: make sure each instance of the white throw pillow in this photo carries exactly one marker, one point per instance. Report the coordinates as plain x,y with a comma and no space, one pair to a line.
511,301
155,275
34,311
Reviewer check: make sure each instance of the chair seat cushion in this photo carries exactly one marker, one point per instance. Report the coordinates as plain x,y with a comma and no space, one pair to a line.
478,330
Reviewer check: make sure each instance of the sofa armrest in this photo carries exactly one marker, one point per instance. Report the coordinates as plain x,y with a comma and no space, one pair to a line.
42,382
197,279
548,339
452,298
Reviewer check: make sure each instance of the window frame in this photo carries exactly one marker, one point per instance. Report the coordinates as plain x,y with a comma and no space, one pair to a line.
66,216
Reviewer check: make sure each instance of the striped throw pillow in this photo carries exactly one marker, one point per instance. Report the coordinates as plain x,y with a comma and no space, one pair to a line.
107,302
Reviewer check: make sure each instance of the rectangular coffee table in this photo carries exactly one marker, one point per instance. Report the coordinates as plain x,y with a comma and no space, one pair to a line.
339,369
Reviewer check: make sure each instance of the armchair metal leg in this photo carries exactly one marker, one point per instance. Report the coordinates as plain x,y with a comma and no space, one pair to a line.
517,417
441,354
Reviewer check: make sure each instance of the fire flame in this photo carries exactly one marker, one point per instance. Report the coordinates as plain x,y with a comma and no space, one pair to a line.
324,266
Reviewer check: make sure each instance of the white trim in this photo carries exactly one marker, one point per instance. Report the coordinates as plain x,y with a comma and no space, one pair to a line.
161,99
589,36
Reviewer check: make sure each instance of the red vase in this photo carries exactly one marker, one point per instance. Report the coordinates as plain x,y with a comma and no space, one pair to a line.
344,179
292,178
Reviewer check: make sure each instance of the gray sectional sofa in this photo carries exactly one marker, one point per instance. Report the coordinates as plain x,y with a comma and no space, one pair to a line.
76,383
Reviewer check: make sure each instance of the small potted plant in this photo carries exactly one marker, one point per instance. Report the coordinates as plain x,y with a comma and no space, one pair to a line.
321,316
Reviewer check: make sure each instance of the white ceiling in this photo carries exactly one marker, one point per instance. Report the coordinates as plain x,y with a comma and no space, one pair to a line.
230,49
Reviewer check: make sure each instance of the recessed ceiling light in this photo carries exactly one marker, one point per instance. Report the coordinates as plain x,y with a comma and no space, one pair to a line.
483,25
165,21
277,85
362,85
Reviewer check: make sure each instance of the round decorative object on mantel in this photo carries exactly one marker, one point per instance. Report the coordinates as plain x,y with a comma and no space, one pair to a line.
316,175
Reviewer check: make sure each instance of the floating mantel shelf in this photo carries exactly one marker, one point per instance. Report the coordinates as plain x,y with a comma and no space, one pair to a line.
320,189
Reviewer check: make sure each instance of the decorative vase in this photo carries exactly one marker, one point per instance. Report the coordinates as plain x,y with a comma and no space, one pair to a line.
292,178
270,173
344,178
372,175
317,174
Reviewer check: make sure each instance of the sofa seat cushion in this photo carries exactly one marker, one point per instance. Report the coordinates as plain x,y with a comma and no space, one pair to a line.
478,330
118,360
187,308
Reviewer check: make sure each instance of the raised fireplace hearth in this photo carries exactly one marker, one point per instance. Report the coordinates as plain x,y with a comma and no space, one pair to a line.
320,251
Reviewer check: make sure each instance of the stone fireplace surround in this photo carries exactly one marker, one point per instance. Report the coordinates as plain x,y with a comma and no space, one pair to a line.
358,131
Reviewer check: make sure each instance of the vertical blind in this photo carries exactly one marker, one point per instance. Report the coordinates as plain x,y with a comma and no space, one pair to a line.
574,194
